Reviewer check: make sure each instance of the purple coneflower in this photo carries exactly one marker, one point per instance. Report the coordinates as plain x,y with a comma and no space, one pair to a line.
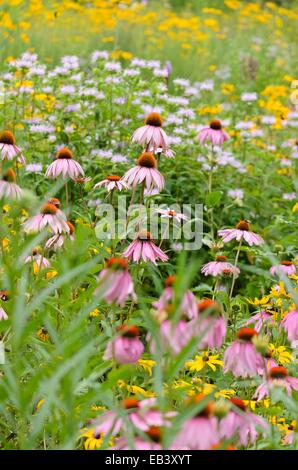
260,320
279,377
241,357
111,182
171,214
290,324
241,424
213,134
51,217
64,165
8,148
8,187
145,172
220,267
143,248
241,232
285,267
57,241
126,348
212,328
38,260
115,282
188,306
200,431
152,134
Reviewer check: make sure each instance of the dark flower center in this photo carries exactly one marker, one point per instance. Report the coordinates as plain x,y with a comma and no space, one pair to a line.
278,372
221,258
71,227
129,331
113,178
154,119
144,235
129,403
286,263
7,137
243,225
117,263
170,281
64,153
207,410
155,434
215,125
238,402
147,160
9,176
246,334
54,201
208,304
49,209
4,295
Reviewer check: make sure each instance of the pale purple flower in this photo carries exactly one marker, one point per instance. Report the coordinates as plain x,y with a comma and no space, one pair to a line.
241,357
285,267
143,248
145,172
51,217
249,96
115,282
213,134
236,194
278,377
152,134
126,348
3,314
111,182
260,320
8,148
171,214
220,267
241,424
64,166
241,232
39,260
198,433
57,241
8,187
290,325
188,307
173,337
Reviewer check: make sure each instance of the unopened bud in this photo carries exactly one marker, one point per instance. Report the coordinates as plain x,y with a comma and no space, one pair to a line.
261,344
221,408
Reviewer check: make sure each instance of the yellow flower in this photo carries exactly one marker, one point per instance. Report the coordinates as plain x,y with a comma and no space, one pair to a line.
295,208
5,243
94,313
98,408
135,389
92,442
264,301
146,364
225,393
51,274
281,354
279,291
203,360
6,208
39,403
227,88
